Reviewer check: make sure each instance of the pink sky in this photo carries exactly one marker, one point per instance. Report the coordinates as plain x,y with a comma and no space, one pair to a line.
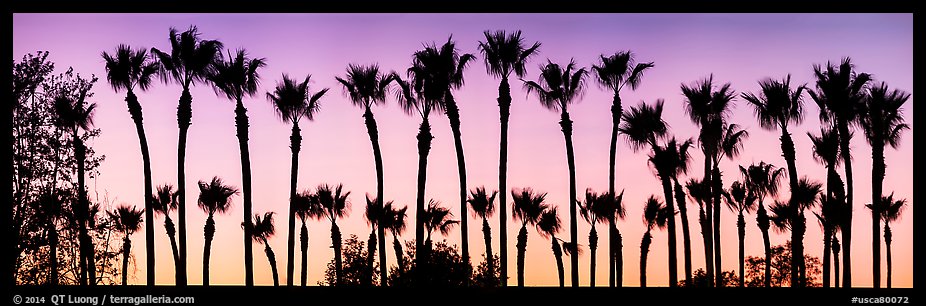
736,48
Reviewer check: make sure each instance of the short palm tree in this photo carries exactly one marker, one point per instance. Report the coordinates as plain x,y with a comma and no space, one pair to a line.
763,179
559,87
840,93
214,197
740,201
729,145
890,211
334,203
505,53
881,118
604,207
526,207
50,204
127,220
436,218
188,62
125,69
833,205
394,221
832,208
700,192
654,215
306,206
292,101
367,86
547,226
483,206
263,230
165,201
790,216
373,215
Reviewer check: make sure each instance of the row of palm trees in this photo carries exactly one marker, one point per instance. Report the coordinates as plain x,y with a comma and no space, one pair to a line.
842,95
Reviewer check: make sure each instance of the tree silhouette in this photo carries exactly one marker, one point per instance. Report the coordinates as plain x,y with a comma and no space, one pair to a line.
762,179
790,216
700,191
50,211
483,206
889,210
547,226
394,221
740,201
127,219
373,214
334,203
526,207
214,197
832,210
833,204
655,214
306,206
165,201
263,230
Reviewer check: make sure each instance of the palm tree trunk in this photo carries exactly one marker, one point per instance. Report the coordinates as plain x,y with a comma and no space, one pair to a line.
593,248
797,250
371,258
686,234
126,250
424,147
453,115
522,250
86,244
566,125
336,245
504,105
487,234
673,252
644,250
209,233
827,236
836,261
172,233
295,144
717,189
741,231
617,244
135,112
304,243
241,122
763,222
370,122
616,113
707,228
887,244
558,254
53,253
184,119
846,228
273,263
788,152
877,179
399,259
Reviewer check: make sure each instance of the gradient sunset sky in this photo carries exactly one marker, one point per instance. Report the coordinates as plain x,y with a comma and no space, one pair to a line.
736,48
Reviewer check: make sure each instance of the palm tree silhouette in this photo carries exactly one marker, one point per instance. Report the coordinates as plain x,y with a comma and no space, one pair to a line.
165,201
833,205
740,200
729,145
334,202
839,94
306,206
882,120
438,71
126,219
526,207
762,179
889,210
505,53
367,87
559,87
832,209
394,221
291,101
263,230
236,78
654,214
483,206
595,209
435,218
776,107
189,61
73,114
373,214
790,216
125,69
214,197
547,226
49,212
700,191
686,232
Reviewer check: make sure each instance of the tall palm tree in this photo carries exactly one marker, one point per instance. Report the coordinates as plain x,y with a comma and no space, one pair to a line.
829,218
547,226
526,207
263,230
882,120
505,53
367,87
292,101
188,62
74,114
839,93
440,70
557,88
729,145
740,201
655,214
394,221
483,206
601,208
236,78
165,201
127,220
127,68
763,179
214,197
373,214
890,210
334,202
776,107
669,161
790,216
306,206
700,192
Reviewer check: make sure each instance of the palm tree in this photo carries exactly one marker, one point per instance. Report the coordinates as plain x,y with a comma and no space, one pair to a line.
833,206
333,200
436,218
189,61
165,201
126,219
263,230
840,94
214,197
729,145
49,212
762,179
835,260
655,214
505,53
306,206
526,207
483,206
740,200
547,226
890,210
700,191
125,69
235,78
790,216
292,101
557,88
831,210
367,87
74,114
373,214
776,107
394,221
600,208
882,120
669,161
